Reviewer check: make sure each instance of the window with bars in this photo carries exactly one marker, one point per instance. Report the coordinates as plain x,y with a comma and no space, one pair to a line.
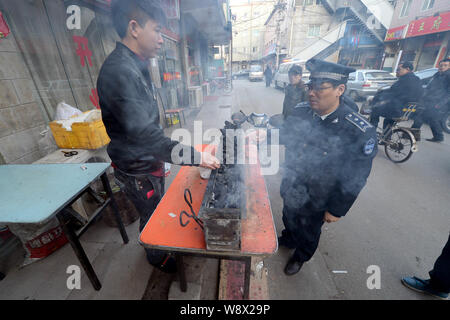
313,30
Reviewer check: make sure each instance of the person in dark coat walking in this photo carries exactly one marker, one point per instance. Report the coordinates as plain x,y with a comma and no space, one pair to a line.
438,285
295,92
435,100
138,147
329,153
268,74
390,103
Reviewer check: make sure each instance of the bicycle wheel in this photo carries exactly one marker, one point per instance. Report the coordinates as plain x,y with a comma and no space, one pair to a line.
398,145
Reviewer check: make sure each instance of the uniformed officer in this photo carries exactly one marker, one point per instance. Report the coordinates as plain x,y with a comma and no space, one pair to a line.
329,152
295,92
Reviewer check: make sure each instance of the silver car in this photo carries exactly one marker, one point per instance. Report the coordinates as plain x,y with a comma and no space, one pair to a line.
364,83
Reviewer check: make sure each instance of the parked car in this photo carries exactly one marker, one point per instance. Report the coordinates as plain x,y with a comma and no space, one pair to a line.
364,83
281,77
242,74
256,73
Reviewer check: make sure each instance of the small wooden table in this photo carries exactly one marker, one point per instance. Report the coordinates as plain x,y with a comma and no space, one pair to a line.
163,230
38,192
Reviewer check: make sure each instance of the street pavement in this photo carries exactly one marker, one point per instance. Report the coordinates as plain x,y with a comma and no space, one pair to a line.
398,225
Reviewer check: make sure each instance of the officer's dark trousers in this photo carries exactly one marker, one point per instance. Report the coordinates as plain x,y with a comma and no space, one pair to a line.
268,81
387,111
145,192
302,231
440,275
433,117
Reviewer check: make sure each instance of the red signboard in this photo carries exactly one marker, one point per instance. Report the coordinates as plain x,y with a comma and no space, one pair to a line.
429,25
395,33
171,8
4,29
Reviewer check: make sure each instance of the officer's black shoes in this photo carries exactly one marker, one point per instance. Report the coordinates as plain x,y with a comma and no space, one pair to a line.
435,140
292,267
283,242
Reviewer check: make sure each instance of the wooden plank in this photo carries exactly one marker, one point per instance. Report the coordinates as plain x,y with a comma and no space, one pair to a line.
231,284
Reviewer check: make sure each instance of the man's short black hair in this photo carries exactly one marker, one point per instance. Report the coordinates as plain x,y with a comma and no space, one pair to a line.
295,70
445,60
407,65
123,11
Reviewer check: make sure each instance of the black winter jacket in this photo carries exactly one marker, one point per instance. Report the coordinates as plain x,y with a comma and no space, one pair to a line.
131,115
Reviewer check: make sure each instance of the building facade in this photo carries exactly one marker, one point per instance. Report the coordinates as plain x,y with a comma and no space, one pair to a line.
248,20
419,32
350,32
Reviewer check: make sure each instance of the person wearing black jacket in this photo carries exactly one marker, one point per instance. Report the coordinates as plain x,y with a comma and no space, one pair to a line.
408,88
329,153
138,147
435,100
268,74
295,92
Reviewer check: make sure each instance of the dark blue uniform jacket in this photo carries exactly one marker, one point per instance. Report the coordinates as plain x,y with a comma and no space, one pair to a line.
327,161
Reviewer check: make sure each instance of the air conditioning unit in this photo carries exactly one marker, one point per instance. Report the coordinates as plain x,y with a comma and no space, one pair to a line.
206,89
195,97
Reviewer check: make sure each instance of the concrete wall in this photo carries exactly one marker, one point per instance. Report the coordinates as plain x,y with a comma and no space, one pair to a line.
21,117
305,16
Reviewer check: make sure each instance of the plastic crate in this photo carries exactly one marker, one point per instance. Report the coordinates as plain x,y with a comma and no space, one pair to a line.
84,135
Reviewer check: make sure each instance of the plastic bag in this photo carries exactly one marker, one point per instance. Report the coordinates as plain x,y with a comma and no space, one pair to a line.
39,240
65,111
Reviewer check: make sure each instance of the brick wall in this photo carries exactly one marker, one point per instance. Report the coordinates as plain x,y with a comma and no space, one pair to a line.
21,116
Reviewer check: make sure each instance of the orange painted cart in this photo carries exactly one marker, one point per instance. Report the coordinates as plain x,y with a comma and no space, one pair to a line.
163,230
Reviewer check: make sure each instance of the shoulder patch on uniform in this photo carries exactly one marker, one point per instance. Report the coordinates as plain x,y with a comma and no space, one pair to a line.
358,121
302,105
369,147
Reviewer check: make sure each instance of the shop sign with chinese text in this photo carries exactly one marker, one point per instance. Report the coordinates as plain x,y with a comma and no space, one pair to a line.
429,25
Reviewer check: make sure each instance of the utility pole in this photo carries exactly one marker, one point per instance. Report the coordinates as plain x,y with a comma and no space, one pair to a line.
281,10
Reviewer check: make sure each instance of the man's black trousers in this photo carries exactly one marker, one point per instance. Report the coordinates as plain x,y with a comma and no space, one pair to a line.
440,275
145,192
433,117
387,111
302,231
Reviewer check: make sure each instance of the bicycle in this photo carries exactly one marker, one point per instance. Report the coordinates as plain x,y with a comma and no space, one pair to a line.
400,142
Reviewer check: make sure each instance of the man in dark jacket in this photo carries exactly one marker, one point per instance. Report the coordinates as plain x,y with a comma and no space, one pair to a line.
138,147
329,153
268,74
408,88
435,101
295,92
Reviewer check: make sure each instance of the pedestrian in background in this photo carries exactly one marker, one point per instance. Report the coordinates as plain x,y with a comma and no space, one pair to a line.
438,285
295,92
390,103
435,100
268,74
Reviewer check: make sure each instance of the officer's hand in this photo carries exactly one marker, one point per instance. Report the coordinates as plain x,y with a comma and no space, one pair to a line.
329,217
209,161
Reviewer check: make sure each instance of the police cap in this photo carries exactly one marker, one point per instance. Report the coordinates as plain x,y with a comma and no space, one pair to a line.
324,70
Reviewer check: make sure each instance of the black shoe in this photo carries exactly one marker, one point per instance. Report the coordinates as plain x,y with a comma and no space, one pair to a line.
435,140
292,267
283,242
